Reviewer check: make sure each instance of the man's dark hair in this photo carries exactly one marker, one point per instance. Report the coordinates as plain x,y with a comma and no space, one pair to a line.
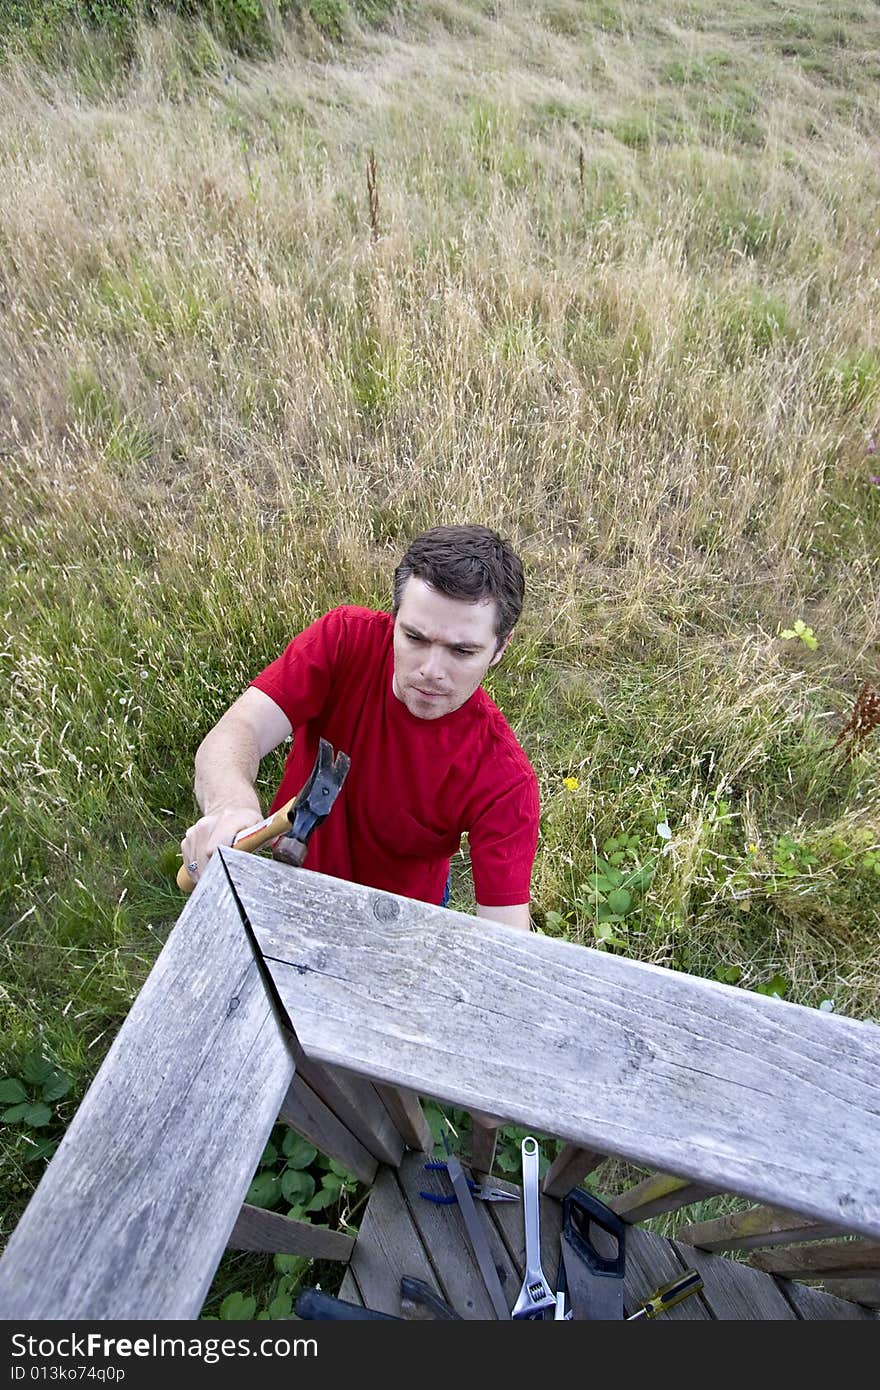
470,563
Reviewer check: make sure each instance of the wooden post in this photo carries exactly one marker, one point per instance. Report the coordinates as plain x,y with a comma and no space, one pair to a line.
484,1135
408,1116
134,1211
569,1169
859,1258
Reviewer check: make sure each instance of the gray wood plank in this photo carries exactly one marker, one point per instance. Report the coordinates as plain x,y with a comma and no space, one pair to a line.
815,1305
736,1091
407,1115
134,1211
348,1289
865,1291
860,1258
752,1229
733,1290
356,1103
260,1230
442,1233
388,1246
651,1262
483,1138
569,1169
305,1112
656,1195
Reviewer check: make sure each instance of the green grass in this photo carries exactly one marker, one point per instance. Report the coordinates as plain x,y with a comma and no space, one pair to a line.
620,307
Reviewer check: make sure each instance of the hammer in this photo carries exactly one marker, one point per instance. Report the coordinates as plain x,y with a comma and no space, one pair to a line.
295,822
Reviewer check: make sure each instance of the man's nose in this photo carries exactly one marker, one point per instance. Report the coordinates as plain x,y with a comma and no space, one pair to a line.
433,665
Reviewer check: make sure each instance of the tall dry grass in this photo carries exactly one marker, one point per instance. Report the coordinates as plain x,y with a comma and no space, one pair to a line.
622,305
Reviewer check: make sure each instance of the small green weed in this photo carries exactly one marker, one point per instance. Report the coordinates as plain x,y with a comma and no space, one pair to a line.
801,632
29,1098
612,893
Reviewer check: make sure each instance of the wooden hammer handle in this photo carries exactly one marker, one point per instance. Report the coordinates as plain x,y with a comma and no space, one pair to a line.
248,840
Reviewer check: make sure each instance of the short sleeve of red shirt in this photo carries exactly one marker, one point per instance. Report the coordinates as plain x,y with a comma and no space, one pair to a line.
299,681
504,838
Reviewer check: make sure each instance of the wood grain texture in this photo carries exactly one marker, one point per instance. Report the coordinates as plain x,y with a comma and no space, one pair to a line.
652,1261
348,1289
408,1117
260,1230
733,1290
656,1195
441,1230
306,1113
356,1103
859,1258
134,1211
752,1229
569,1169
814,1305
736,1091
864,1291
483,1138
388,1247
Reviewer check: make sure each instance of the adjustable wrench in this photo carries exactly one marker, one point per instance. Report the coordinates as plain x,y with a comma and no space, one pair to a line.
535,1295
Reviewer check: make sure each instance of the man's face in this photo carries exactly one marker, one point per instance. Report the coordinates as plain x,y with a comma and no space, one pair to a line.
443,648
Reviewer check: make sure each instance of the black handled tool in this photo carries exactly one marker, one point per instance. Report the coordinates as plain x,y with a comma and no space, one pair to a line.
593,1281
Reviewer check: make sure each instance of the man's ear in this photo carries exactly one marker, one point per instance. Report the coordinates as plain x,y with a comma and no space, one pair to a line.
501,650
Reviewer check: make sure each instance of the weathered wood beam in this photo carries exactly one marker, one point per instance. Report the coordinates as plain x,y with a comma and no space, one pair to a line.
863,1291
357,1104
752,1229
569,1168
837,1257
134,1211
732,1090
658,1194
483,1138
405,1109
309,1116
267,1231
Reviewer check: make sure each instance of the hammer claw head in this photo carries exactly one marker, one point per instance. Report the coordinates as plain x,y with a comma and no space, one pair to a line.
315,800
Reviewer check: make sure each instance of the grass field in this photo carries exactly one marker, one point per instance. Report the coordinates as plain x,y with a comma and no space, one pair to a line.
617,297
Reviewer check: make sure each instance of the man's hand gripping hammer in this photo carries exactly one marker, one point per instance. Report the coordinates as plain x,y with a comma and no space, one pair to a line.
292,825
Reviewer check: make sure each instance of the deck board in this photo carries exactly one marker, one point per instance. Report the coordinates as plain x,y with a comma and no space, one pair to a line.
403,1234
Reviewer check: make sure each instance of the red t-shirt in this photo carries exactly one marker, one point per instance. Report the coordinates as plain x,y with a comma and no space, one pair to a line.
415,784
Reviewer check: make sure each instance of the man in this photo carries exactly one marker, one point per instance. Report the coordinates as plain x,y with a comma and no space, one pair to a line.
431,755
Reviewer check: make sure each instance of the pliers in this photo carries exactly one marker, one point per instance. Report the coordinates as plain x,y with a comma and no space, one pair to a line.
481,1192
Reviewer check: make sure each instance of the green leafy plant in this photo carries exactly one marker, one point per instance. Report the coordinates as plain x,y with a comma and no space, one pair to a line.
613,891
30,1097
801,631
307,1186
777,987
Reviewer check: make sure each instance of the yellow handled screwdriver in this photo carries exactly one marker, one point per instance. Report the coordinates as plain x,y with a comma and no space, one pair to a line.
666,1297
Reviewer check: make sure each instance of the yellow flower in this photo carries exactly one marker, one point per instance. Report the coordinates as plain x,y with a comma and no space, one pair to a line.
571,783
751,847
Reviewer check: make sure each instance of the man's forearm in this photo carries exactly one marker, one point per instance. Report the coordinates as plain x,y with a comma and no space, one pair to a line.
227,764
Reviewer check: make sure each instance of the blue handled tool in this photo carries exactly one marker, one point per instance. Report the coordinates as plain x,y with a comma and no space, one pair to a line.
481,1192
